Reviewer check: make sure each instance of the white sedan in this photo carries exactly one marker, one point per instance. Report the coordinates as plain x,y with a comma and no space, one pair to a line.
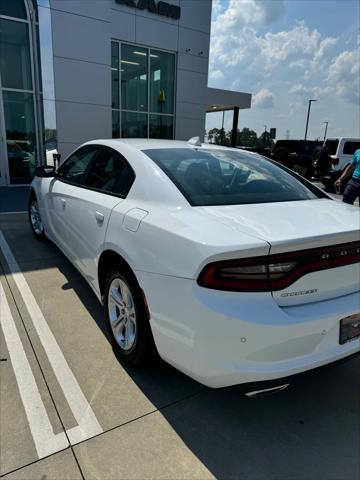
234,269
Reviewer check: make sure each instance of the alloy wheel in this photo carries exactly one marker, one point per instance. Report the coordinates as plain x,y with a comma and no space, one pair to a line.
122,314
35,218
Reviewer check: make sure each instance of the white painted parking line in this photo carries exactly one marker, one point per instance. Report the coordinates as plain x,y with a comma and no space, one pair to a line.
88,425
46,442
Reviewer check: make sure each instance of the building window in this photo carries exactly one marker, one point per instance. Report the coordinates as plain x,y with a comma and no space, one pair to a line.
143,90
134,78
15,64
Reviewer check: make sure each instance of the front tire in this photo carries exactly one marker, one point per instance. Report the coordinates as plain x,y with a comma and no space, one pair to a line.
36,223
127,319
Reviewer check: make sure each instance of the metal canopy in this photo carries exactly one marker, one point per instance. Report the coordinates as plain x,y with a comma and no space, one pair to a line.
218,100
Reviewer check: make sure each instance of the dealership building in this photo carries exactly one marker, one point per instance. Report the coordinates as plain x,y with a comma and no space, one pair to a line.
77,70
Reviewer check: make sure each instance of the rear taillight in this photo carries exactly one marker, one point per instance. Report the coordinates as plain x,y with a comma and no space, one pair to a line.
253,275
275,272
335,161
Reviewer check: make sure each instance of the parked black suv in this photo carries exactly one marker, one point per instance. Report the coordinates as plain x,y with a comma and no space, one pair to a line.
296,155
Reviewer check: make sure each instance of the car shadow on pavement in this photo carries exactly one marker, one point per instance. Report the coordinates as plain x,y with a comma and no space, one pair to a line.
310,430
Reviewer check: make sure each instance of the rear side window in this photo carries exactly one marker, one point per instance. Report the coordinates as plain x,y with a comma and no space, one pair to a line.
351,147
74,169
332,146
110,172
225,177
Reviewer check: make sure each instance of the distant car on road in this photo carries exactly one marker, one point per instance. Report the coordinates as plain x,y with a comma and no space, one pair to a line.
233,268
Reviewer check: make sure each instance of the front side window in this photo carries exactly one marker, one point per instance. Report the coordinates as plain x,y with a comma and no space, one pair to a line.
74,169
110,172
219,177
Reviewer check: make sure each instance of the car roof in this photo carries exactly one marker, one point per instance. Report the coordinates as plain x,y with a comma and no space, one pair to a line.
143,143
140,144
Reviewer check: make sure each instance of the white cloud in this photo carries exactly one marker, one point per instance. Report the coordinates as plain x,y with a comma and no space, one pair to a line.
298,63
263,99
290,64
216,75
323,47
245,13
281,46
300,89
305,92
344,75
236,43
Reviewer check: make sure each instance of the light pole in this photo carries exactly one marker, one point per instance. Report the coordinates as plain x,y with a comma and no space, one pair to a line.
308,115
265,136
326,127
222,129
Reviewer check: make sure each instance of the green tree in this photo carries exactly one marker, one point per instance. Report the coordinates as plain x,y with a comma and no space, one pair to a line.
247,138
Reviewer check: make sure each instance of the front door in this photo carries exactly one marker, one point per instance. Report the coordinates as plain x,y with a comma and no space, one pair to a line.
70,174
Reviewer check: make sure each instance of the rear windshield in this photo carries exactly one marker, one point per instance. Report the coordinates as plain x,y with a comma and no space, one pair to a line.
225,177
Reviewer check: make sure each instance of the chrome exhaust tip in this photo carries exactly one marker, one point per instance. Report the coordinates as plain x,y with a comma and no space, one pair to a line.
266,391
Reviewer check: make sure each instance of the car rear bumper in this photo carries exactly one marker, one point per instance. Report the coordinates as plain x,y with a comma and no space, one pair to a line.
227,338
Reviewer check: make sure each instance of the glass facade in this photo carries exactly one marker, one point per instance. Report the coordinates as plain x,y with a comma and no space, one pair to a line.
134,78
162,74
20,135
134,124
15,63
17,82
27,97
143,90
13,8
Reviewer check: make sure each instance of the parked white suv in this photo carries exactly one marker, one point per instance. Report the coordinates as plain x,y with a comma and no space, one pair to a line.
341,152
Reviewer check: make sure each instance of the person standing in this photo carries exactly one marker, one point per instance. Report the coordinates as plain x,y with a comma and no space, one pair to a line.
352,189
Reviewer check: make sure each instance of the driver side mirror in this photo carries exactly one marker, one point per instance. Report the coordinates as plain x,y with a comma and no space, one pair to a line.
45,171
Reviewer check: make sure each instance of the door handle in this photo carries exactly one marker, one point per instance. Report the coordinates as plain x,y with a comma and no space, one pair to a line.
99,217
63,202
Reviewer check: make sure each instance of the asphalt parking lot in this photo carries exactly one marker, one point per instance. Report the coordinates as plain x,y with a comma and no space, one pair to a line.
69,410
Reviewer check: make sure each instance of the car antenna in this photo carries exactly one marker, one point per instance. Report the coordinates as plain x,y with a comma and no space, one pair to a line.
195,141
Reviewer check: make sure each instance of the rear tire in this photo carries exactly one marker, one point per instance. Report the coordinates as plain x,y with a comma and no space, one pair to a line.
36,223
127,319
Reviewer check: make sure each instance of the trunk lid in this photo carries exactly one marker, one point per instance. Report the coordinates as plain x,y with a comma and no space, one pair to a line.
297,226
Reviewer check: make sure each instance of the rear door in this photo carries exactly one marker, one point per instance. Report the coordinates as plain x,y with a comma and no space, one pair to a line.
106,184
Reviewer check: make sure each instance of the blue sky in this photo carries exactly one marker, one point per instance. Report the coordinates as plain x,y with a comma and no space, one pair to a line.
285,52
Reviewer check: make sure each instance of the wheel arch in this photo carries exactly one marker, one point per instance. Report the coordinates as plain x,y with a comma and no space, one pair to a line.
32,193
107,260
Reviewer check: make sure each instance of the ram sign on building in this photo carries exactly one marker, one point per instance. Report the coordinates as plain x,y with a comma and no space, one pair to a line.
76,70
